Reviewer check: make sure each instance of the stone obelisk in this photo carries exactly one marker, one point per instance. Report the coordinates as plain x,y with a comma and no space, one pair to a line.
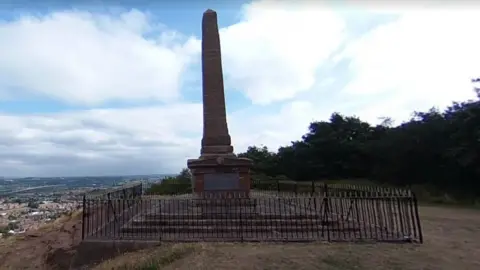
216,140
217,170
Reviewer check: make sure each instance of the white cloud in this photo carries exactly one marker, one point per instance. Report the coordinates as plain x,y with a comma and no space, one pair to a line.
85,58
132,141
114,141
276,128
425,58
274,52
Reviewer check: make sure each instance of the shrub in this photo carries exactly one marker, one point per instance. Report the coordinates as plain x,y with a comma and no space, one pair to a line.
12,226
180,184
265,182
33,204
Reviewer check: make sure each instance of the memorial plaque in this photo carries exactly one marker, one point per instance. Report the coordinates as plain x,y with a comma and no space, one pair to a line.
221,181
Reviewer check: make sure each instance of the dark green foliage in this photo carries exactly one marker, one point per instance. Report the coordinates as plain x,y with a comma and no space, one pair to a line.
435,150
180,184
262,181
11,226
265,161
33,204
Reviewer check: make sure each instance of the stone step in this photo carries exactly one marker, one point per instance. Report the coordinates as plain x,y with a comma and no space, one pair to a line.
227,209
225,203
226,215
234,222
233,229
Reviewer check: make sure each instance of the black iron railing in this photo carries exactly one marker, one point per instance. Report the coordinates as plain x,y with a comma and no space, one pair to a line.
128,191
330,213
312,187
169,187
99,208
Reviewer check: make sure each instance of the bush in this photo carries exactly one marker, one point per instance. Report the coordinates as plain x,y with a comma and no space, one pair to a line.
4,230
180,184
12,226
32,204
5,234
265,182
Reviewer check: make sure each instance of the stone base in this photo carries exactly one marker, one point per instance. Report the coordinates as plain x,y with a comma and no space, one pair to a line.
227,203
225,207
223,194
221,176
220,150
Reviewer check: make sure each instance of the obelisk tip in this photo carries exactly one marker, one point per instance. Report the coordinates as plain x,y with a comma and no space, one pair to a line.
208,11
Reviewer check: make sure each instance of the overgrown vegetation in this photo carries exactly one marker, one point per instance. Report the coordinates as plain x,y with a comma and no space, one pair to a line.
179,184
434,152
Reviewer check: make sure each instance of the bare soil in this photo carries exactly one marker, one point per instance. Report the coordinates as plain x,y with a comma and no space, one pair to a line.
452,241
51,247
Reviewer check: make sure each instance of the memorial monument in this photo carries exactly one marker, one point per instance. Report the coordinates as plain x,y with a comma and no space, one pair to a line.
218,171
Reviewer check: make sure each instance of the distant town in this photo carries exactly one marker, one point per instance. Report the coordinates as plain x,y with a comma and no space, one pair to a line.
29,203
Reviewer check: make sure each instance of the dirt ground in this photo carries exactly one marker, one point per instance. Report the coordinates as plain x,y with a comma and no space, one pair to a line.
452,241
50,248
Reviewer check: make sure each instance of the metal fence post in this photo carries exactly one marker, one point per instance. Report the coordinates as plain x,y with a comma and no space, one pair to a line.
108,207
417,217
326,211
125,197
83,216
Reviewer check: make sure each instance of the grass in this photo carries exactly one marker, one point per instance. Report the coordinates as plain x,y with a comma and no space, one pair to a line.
149,259
170,187
426,195
452,241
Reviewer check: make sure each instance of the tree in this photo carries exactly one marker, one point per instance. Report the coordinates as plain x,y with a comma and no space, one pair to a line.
476,88
264,160
386,121
12,226
439,149
180,183
184,175
33,204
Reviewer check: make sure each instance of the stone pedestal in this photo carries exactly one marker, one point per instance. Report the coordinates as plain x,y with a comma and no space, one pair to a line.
221,176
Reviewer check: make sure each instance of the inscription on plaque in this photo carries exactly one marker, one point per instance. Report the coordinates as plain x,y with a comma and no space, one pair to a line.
221,181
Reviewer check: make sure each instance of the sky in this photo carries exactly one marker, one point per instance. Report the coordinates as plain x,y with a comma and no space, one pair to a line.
114,87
